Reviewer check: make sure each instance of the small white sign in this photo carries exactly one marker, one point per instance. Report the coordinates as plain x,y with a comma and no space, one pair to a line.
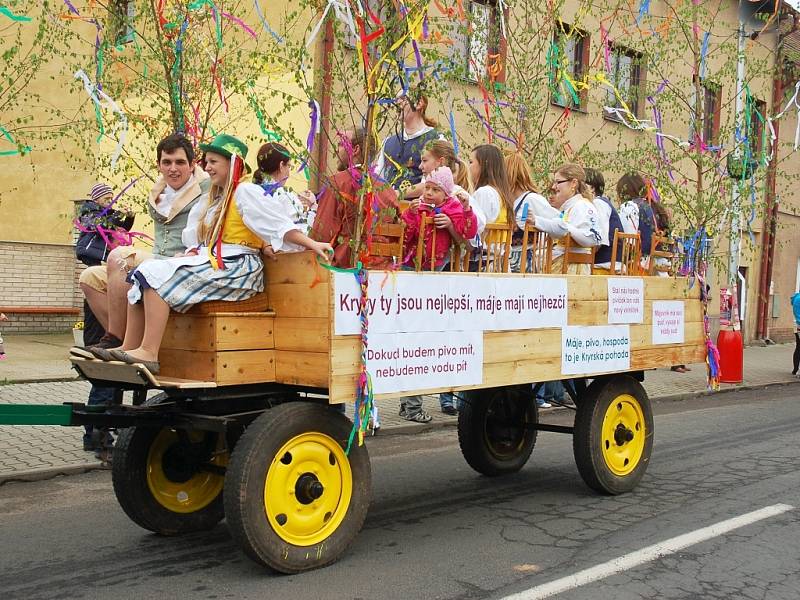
625,300
404,362
669,318
600,349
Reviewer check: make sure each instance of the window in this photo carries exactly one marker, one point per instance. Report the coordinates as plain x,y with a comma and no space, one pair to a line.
480,46
758,117
627,77
712,100
121,14
569,54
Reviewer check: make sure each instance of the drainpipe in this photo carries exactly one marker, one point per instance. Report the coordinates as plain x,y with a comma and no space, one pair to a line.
771,218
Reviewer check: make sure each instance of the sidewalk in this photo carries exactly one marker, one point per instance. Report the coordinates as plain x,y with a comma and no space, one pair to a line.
32,452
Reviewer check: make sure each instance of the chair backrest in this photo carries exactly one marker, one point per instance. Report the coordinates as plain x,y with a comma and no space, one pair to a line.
664,247
575,254
630,255
496,249
537,251
459,258
424,223
388,241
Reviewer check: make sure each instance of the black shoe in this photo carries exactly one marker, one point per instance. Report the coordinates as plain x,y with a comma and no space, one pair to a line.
106,342
450,410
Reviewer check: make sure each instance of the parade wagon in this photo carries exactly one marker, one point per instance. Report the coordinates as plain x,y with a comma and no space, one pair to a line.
242,425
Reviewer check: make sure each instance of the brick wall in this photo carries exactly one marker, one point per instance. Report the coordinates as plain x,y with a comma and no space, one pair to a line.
39,275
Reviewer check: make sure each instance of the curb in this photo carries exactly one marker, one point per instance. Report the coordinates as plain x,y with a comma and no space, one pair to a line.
739,388
42,380
50,472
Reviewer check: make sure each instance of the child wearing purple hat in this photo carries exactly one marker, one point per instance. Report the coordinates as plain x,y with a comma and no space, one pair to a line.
448,218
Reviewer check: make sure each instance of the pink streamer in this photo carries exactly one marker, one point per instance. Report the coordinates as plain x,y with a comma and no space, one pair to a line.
240,23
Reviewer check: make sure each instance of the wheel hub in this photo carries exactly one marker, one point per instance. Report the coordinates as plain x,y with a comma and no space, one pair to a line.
622,435
308,488
178,466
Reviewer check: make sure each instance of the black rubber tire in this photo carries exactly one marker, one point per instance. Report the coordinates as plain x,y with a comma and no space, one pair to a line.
587,439
246,479
494,429
129,476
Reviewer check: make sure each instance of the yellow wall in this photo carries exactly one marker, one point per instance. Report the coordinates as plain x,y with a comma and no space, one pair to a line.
37,190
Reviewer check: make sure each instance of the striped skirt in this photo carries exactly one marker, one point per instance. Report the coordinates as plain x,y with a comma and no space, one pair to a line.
193,283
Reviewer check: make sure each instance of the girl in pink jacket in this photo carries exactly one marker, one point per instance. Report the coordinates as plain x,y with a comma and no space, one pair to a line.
449,217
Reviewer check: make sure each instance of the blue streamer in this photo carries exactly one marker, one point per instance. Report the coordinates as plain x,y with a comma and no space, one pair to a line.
644,9
278,38
703,52
453,132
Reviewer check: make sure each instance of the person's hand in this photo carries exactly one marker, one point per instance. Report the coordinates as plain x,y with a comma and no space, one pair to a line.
189,252
308,199
268,252
324,250
531,220
442,221
463,196
3,317
414,204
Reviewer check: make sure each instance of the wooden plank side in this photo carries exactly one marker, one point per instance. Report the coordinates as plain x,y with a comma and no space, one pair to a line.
188,364
655,288
595,312
302,368
245,366
220,331
299,300
252,332
189,332
295,267
303,335
530,371
509,346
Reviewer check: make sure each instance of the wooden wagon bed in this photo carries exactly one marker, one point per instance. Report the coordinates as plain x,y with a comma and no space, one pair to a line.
288,335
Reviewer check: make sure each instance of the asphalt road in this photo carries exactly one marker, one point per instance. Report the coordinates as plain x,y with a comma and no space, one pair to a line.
436,529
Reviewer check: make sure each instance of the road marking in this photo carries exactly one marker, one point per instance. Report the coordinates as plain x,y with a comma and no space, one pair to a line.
639,557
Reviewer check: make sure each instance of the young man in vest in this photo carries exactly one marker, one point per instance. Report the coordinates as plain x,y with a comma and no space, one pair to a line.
401,153
180,186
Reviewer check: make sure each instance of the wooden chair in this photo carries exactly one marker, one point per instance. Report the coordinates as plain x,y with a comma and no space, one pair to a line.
630,261
496,249
459,258
663,246
576,255
424,223
390,244
537,251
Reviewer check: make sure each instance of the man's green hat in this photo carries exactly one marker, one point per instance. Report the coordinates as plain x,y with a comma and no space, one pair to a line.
226,145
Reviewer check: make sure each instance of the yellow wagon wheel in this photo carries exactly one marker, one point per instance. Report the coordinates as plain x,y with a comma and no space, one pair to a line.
168,481
294,500
613,436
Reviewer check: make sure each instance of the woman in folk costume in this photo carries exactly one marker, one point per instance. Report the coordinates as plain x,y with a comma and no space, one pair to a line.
578,217
224,236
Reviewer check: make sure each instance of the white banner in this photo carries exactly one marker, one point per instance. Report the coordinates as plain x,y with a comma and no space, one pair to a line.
414,302
404,362
669,318
601,349
625,300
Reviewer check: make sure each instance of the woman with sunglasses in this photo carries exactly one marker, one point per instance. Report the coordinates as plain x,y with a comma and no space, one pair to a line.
578,217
